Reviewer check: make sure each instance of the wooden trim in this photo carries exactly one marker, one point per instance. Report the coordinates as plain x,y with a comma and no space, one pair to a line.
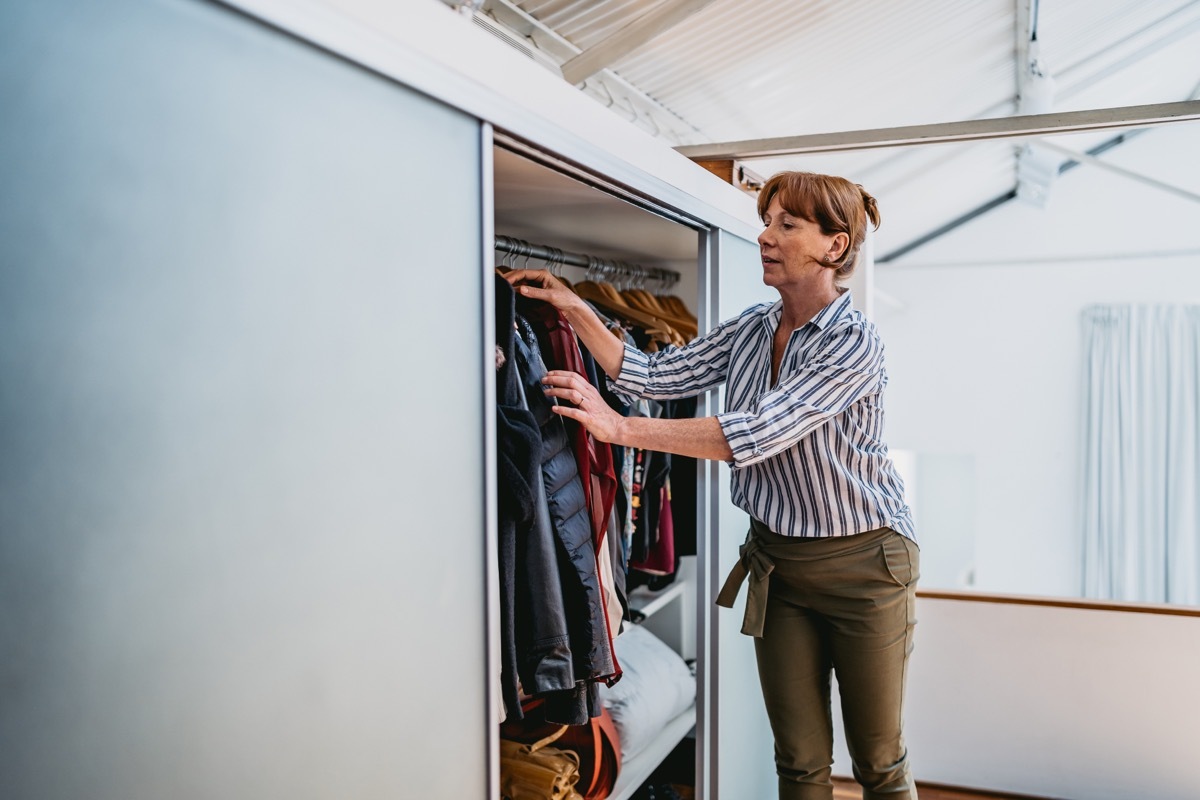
966,791
1061,602
722,168
945,791
734,173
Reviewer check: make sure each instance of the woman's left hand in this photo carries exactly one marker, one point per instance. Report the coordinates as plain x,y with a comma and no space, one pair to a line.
587,406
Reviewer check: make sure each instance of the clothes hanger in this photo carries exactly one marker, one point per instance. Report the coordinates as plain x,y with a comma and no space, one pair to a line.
673,303
555,265
637,297
606,296
507,259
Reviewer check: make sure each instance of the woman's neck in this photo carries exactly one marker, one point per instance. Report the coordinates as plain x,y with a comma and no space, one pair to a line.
802,303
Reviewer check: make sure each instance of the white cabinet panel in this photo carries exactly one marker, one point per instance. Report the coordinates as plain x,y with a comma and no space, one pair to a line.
241,428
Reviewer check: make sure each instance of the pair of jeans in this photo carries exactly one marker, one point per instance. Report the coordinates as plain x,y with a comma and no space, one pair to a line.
846,605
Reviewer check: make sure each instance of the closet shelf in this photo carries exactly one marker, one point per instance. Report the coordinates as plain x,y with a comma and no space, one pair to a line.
649,602
636,770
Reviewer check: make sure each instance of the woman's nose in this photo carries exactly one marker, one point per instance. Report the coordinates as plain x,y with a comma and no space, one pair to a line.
765,238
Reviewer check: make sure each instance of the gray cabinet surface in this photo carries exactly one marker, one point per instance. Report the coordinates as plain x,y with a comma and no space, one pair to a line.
241,432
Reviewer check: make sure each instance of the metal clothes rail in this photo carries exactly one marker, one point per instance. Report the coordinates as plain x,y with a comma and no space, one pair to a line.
619,272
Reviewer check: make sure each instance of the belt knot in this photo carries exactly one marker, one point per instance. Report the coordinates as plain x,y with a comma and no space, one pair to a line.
753,562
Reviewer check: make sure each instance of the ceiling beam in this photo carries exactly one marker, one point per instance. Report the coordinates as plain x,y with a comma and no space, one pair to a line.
629,38
607,87
996,202
1176,24
1024,31
966,131
1084,158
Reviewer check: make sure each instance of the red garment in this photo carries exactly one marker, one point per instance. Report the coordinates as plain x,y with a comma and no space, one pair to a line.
661,558
595,460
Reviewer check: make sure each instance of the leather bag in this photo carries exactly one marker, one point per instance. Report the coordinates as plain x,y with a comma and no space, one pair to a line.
537,771
596,744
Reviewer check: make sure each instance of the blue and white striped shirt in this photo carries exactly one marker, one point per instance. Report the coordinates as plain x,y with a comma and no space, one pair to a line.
808,453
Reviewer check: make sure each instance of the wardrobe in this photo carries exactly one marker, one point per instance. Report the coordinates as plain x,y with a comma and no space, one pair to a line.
246,356
583,233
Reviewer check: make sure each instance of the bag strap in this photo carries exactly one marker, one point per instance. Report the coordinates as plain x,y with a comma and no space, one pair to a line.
554,737
609,730
608,753
605,744
592,782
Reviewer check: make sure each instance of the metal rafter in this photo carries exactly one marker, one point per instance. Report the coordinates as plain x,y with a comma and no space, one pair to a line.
606,86
651,24
1024,31
1084,158
966,131
1177,24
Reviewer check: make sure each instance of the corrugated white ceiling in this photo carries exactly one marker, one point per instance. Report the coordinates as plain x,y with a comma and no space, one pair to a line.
751,68
744,69
760,68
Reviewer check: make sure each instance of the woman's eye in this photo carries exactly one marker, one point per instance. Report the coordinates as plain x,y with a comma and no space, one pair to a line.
787,226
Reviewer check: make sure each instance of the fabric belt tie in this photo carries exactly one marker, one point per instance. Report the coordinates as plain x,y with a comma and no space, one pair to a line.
753,562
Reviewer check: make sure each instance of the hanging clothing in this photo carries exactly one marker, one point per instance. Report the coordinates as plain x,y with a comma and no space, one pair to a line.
660,557
685,479
535,647
583,597
561,351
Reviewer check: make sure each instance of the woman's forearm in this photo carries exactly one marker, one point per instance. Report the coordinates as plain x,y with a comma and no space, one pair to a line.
698,438
606,349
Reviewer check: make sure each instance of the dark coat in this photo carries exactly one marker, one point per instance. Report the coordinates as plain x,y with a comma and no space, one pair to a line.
535,644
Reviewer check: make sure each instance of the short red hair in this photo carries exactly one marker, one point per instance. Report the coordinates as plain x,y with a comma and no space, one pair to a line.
835,204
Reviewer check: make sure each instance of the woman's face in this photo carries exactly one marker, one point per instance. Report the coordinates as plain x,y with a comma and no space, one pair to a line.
793,249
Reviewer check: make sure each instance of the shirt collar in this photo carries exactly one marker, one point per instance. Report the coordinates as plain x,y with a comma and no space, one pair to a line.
837,308
831,313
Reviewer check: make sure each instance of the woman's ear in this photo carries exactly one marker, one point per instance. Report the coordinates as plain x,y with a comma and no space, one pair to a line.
837,247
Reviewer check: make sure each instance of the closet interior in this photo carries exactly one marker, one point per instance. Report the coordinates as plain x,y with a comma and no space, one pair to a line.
639,269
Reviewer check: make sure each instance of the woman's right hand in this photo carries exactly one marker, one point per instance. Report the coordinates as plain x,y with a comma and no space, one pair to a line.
538,284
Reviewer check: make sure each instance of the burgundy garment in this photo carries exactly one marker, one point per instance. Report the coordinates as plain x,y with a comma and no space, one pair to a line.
595,460
661,558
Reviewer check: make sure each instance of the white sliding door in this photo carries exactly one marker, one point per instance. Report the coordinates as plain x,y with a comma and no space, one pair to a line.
241,416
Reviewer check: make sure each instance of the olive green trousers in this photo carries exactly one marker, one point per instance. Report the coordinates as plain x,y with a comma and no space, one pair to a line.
845,605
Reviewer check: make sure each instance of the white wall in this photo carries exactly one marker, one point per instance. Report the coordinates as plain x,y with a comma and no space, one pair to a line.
985,359
1055,702
1076,704
985,371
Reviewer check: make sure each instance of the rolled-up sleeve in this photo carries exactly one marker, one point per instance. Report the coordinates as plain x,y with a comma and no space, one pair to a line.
850,367
678,372
630,384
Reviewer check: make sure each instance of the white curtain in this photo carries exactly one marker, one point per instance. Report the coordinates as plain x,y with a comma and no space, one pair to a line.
1141,453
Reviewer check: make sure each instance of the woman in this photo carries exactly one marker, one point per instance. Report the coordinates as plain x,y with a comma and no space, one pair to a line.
830,553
